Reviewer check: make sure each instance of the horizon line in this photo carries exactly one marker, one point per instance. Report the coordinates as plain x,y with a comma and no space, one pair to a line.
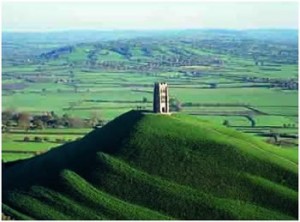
143,30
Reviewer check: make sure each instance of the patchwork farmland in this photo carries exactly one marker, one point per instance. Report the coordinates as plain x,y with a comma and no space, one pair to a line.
230,79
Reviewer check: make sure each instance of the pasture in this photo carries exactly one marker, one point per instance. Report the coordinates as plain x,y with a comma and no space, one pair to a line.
20,144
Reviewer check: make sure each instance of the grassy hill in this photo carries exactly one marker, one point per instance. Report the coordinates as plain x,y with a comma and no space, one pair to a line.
148,166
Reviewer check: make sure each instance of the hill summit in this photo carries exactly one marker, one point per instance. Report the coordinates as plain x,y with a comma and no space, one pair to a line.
150,166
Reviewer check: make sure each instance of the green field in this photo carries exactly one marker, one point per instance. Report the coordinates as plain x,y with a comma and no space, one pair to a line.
113,93
14,147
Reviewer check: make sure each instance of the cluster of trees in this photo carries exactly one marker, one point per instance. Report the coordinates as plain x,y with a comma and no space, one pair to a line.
28,121
54,54
39,139
122,49
289,125
291,84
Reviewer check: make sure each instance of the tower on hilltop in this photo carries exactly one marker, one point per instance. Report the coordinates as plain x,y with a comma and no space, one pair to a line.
161,98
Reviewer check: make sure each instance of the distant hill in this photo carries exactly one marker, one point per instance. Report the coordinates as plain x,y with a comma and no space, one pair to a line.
92,46
179,48
148,166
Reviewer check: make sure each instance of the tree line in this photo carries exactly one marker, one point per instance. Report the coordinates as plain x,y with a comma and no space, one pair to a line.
27,121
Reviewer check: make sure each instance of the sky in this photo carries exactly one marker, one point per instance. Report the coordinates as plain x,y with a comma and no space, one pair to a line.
57,16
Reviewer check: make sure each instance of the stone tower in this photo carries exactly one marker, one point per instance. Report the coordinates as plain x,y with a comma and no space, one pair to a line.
161,98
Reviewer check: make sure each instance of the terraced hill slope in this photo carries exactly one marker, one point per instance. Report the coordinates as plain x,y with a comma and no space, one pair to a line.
148,166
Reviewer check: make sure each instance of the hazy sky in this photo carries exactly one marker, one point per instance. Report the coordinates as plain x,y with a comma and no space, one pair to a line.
42,16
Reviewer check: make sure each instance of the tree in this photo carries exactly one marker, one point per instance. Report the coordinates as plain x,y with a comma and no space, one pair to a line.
7,115
95,119
23,120
26,139
226,123
76,123
5,129
145,99
38,139
213,85
64,120
38,123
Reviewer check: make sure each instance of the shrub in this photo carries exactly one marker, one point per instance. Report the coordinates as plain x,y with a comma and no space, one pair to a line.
60,140
226,123
145,100
26,139
38,139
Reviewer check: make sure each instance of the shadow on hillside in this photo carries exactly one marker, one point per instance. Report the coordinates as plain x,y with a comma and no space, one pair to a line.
76,155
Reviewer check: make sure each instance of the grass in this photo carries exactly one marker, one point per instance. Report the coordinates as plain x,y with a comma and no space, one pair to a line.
174,166
293,111
250,96
13,142
272,121
233,120
7,157
215,109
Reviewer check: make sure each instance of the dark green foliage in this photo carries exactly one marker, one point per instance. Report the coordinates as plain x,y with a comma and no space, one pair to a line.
38,139
26,139
145,100
60,140
149,166
226,123
48,120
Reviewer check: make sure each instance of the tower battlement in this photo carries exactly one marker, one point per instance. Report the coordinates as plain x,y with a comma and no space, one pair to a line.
161,98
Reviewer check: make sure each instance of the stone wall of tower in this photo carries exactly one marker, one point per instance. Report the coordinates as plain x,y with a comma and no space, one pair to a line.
161,98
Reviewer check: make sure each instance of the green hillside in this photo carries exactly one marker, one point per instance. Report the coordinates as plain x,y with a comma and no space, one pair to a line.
148,166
